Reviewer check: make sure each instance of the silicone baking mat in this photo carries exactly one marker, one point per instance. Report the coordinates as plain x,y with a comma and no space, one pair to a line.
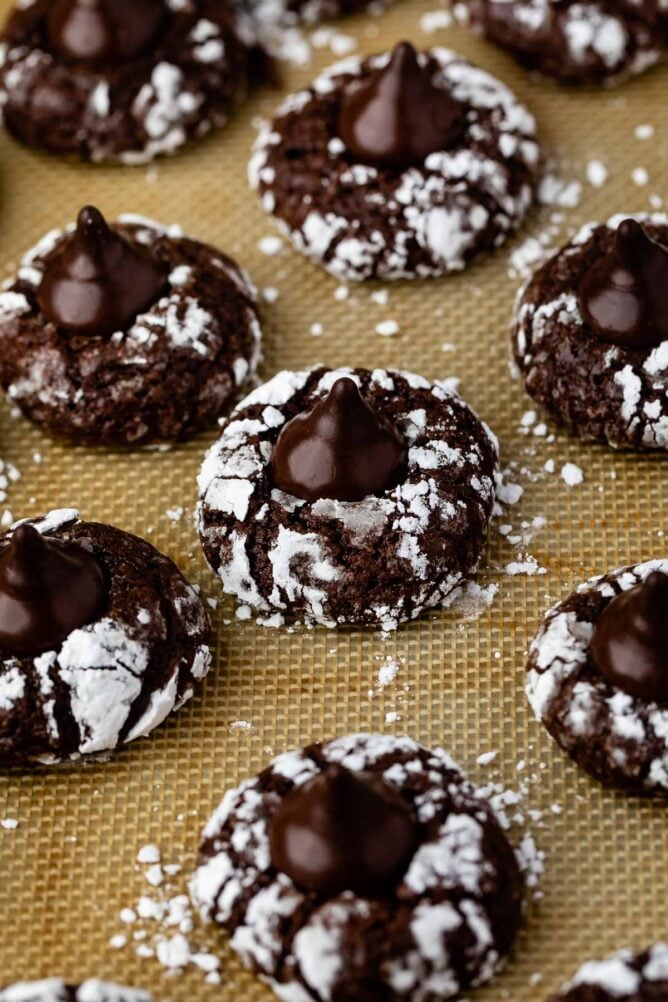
69,867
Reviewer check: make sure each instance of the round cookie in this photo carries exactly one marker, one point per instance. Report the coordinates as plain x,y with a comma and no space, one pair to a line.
379,560
599,390
614,727
56,990
171,70
586,42
441,923
429,213
112,638
171,369
624,977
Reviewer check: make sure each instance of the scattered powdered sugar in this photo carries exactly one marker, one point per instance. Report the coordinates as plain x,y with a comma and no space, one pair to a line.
8,475
9,824
571,474
597,173
435,20
471,600
160,923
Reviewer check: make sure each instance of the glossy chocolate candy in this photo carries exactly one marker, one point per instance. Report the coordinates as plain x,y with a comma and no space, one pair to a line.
97,282
104,31
630,641
624,294
48,588
343,831
341,449
399,116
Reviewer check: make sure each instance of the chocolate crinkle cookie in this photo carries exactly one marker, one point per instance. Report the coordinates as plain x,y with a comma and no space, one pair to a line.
586,42
56,990
101,637
364,868
117,80
403,165
598,677
126,333
590,333
347,496
624,977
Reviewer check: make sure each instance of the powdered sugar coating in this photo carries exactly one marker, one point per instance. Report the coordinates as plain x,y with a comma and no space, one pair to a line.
118,677
576,41
361,222
188,83
288,13
616,737
623,977
379,561
202,339
462,886
599,391
56,990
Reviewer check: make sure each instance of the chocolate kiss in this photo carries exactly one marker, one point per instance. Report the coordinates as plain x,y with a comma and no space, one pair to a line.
48,588
398,116
630,641
340,449
102,31
97,282
624,295
343,831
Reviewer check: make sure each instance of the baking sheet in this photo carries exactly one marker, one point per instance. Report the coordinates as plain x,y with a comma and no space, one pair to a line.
69,867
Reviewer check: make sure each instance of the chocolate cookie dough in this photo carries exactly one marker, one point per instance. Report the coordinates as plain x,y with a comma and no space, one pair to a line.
55,990
347,496
364,868
127,333
120,81
587,42
598,677
624,977
590,333
403,165
101,637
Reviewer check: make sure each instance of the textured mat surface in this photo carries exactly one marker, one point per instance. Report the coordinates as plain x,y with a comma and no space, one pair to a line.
69,867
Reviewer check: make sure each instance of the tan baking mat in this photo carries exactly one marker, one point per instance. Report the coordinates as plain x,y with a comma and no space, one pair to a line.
69,867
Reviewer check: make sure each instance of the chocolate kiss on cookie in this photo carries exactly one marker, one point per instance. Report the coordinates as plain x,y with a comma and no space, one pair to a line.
48,588
399,116
343,831
97,282
341,449
629,645
624,294
103,31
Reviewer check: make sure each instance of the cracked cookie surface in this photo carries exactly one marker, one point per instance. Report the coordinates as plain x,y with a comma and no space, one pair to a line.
586,42
362,222
446,926
599,391
117,677
169,375
128,111
379,561
619,739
